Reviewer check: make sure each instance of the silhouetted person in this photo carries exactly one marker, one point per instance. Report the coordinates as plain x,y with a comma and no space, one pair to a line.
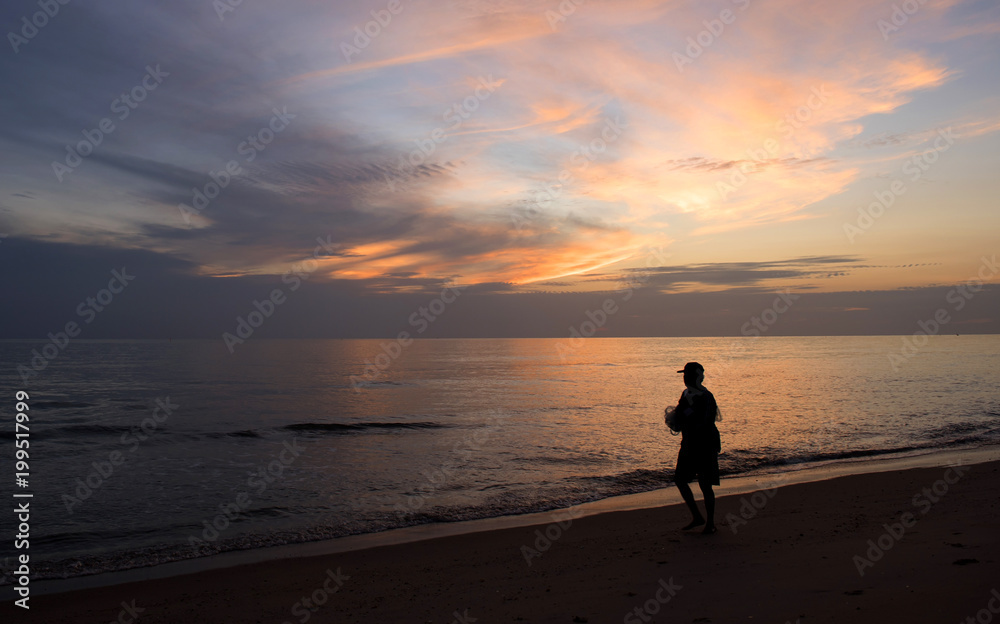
695,417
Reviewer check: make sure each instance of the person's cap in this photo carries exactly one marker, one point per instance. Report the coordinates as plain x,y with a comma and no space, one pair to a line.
692,366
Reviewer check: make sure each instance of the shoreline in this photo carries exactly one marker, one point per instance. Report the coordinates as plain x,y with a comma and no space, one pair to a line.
559,337
731,486
912,539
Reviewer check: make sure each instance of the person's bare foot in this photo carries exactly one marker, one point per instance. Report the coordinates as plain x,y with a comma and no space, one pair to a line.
697,522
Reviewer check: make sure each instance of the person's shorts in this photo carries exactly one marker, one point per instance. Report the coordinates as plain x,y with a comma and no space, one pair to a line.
691,465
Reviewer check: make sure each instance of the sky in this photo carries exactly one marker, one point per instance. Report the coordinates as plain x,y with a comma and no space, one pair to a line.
688,161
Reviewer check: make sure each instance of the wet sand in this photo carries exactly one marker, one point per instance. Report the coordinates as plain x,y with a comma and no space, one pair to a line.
796,552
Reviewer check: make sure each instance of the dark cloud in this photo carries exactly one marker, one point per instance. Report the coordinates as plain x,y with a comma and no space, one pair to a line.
733,274
169,298
322,176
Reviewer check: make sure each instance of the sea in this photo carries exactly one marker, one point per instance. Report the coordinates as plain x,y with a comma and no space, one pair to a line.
145,452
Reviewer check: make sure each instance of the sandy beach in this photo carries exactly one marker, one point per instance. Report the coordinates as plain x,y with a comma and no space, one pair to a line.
916,545
427,312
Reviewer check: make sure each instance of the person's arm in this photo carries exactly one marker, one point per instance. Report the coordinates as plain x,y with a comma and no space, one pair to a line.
713,410
680,411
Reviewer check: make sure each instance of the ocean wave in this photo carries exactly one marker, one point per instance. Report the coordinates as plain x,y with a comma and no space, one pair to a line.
643,478
570,459
742,462
511,500
81,428
59,404
385,383
959,428
316,428
361,426
245,433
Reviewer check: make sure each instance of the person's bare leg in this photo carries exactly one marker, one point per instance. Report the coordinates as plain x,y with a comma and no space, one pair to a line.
688,496
709,494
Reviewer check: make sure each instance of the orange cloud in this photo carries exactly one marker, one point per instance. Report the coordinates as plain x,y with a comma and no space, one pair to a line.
744,136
